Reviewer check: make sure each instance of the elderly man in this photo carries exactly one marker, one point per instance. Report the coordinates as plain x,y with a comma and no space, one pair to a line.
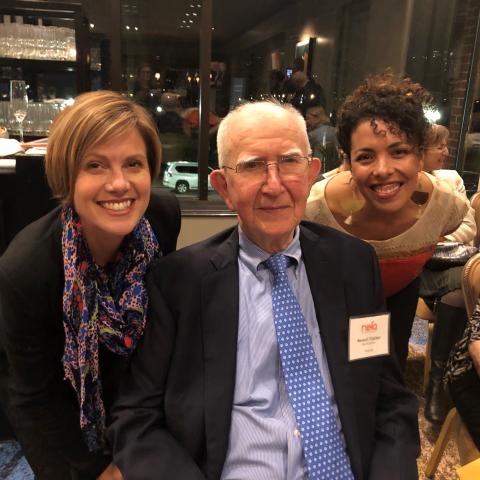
245,370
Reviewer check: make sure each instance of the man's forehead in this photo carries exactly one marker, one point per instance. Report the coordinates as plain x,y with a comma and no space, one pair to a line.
264,145
252,131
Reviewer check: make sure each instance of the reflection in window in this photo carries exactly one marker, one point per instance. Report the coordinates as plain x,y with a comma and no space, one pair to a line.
312,54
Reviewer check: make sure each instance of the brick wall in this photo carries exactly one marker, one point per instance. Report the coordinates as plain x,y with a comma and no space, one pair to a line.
466,20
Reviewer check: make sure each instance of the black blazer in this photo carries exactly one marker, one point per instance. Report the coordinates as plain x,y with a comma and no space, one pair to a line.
172,416
40,404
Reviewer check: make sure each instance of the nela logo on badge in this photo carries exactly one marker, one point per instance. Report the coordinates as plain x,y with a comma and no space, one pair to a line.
369,327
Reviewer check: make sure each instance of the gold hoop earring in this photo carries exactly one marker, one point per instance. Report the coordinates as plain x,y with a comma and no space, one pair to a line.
352,204
419,198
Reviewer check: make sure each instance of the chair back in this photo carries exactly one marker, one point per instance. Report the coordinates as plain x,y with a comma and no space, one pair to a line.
475,203
471,283
471,471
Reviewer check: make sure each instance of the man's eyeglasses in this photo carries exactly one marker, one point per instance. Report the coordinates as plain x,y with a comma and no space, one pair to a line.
288,165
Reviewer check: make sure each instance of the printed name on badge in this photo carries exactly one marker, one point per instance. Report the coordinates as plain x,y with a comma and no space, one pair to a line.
368,336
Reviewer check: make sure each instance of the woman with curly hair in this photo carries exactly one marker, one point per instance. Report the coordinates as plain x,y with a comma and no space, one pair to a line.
385,198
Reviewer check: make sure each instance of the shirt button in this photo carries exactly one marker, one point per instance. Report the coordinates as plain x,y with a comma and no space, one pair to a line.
296,433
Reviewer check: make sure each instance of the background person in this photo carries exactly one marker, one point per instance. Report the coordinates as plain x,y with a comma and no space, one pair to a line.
385,198
72,293
463,376
442,288
144,92
206,395
169,119
307,93
322,137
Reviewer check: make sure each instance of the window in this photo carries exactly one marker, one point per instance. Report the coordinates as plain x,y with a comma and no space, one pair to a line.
156,51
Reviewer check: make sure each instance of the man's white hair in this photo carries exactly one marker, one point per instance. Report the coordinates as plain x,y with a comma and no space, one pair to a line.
264,110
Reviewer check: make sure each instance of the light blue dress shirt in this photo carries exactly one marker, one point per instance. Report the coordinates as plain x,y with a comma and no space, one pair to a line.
264,442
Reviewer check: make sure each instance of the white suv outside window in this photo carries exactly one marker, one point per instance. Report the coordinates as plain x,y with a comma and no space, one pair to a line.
183,176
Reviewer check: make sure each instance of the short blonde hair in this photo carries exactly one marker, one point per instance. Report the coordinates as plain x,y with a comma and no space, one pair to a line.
255,110
94,118
436,135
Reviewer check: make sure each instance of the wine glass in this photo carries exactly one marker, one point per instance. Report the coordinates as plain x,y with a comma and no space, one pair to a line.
19,102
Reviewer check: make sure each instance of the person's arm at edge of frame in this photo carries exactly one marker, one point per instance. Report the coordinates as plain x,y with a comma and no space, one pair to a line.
33,391
467,230
138,434
397,442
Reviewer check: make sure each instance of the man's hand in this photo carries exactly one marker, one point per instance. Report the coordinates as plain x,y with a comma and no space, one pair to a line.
111,473
474,351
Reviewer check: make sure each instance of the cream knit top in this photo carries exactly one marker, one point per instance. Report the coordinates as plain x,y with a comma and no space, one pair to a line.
443,214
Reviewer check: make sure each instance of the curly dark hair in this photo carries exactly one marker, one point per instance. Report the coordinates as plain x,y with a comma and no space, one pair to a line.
396,101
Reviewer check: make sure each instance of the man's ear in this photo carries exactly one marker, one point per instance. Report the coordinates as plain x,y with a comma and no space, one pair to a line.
314,169
219,183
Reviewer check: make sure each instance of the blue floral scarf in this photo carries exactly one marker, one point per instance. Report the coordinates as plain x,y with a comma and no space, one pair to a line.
110,308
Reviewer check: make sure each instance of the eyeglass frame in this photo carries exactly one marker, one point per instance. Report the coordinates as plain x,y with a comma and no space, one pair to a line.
442,146
266,164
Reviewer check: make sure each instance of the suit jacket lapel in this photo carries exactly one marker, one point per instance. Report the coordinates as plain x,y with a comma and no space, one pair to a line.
325,279
220,330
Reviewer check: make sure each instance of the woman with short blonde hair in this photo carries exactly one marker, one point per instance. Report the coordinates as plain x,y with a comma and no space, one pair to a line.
72,289
96,118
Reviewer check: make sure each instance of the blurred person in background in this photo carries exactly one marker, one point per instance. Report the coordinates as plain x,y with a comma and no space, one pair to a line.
277,84
169,119
322,137
170,124
442,289
144,92
307,92
72,293
463,376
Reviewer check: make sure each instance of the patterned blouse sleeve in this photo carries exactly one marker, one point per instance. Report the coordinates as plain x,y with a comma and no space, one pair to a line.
474,325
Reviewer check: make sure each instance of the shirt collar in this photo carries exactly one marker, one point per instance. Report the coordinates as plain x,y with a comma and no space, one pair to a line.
253,256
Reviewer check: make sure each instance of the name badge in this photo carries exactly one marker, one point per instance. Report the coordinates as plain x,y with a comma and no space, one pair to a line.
368,336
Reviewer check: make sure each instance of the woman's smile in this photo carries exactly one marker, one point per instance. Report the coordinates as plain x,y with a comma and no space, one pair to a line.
386,190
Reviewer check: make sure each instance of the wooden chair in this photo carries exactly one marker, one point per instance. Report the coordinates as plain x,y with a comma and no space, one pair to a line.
471,471
424,312
453,426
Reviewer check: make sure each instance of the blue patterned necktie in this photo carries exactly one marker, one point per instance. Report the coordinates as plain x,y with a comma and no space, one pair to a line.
322,445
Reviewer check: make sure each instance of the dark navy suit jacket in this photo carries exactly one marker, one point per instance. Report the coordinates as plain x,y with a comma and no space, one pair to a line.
172,417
